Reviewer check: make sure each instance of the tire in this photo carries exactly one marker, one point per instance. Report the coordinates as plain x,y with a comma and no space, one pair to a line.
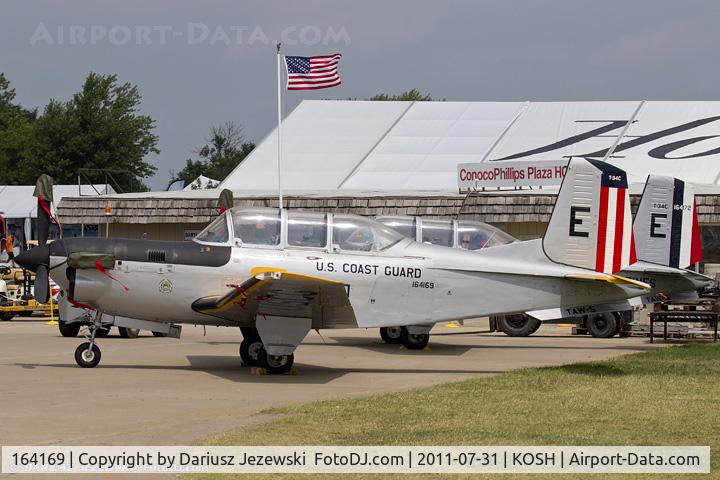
102,332
249,351
7,316
275,365
602,325
159,334
391,335
413,341
619,323
85,358
518,325
69,329
128,332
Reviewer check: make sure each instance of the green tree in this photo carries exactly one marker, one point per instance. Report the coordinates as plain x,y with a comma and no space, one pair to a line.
408,96
100,127
16,134
225,148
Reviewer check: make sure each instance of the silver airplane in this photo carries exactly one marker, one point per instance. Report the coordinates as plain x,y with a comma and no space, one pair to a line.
667,233
278,274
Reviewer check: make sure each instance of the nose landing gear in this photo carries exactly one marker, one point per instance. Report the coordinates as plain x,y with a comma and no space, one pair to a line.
87,355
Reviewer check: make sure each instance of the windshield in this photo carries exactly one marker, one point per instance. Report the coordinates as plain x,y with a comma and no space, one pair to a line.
216,232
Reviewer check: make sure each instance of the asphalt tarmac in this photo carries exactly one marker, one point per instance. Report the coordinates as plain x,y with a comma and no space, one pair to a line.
163,391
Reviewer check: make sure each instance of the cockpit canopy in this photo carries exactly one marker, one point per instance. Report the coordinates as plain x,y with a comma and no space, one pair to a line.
272,228
465,234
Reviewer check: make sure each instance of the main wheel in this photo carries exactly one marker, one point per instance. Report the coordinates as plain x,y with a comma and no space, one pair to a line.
518,325
391,335
87,357
414,341
129,332
602,325
7,316
69,329
275,364
159,334
249,350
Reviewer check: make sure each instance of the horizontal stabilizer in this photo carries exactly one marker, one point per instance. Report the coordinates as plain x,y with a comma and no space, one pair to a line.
616,279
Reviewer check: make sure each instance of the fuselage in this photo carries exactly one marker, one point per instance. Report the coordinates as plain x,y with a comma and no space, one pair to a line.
407,284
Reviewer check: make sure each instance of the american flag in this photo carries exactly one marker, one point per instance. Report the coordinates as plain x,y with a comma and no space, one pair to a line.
312,73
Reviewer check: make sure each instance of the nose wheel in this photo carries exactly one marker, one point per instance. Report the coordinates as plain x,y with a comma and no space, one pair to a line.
87,355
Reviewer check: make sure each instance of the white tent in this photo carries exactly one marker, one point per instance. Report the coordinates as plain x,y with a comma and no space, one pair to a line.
17,201
416,146
201,183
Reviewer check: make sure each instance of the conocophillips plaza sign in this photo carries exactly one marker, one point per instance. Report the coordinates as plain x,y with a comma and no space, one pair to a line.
476,176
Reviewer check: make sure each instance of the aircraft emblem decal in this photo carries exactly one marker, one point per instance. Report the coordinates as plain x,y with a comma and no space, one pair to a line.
165,286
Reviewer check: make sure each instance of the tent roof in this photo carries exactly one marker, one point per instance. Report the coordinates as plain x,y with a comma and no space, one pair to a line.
416,146
17,201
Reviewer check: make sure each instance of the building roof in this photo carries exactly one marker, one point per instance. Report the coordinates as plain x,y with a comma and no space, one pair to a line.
497,207
17,201
416,146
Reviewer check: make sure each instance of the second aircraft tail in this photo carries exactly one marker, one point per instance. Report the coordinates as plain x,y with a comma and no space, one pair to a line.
666,224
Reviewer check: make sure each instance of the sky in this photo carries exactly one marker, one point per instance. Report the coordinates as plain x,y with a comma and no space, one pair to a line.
199,64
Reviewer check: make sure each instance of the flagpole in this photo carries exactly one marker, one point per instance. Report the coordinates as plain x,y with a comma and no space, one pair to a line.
279,127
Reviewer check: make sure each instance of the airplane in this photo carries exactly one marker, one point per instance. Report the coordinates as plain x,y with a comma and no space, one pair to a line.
277,274
668,234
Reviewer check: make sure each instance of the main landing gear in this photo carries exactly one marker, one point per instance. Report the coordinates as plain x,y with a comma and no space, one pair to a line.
253,354
87,355
403,336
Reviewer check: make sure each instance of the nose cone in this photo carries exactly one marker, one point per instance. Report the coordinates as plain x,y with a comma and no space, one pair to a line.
34,257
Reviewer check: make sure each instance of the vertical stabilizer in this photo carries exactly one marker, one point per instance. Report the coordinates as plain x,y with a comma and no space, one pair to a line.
666,224
591,224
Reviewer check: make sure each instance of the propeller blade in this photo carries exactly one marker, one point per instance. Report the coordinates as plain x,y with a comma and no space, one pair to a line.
71,273
44,193
42,284
226,200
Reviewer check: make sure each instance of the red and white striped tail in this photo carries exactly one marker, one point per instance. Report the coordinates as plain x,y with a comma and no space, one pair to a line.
591,224
615,242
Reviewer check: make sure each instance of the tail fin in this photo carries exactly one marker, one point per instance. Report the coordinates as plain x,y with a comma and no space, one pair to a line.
591,224
666,224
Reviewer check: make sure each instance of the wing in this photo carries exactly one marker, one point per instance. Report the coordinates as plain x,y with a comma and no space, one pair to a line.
276,292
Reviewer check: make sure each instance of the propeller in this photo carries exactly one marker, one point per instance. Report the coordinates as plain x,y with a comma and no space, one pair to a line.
44,194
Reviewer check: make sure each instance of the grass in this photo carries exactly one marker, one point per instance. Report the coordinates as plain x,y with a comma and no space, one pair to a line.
663,397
